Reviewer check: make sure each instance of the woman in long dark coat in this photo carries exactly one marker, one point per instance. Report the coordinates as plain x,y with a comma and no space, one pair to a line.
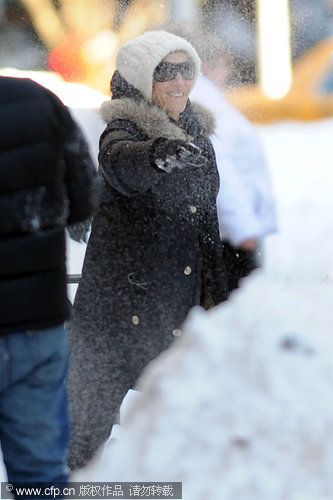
154,250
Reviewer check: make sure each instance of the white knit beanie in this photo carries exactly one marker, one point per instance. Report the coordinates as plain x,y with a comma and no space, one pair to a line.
137,58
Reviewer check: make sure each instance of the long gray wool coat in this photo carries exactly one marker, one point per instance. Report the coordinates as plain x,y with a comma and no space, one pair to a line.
153,253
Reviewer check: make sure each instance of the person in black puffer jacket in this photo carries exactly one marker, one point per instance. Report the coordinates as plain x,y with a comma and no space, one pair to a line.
47,182
154,251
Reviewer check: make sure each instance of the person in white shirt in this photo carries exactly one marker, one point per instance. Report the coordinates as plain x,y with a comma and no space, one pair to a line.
245,202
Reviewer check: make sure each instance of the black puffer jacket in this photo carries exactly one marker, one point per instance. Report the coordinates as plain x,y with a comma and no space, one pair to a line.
154,252
47,180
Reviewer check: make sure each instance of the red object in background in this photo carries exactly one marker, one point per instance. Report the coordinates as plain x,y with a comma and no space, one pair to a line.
67,60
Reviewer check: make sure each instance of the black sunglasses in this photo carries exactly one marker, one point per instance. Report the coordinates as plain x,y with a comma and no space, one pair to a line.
167,71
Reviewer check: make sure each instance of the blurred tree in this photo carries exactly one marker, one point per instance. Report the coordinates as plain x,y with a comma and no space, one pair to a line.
82,37
46,21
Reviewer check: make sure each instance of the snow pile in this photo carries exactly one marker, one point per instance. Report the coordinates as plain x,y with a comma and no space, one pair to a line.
241,405
300,155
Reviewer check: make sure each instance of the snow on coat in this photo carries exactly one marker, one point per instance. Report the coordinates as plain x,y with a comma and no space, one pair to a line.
153,243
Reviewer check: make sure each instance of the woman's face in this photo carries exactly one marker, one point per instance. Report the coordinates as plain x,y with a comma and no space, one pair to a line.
172,95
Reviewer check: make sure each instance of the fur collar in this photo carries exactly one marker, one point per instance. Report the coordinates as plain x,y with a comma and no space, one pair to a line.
154,121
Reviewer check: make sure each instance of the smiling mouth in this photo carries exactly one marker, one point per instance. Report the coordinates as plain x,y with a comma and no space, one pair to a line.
176,94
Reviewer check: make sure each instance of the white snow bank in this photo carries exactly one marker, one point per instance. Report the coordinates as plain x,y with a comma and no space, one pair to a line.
241,405
301,159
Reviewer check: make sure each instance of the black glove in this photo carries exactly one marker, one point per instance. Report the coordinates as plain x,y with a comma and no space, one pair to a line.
175,153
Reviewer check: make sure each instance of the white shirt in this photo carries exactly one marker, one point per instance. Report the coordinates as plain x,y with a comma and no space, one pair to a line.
245,202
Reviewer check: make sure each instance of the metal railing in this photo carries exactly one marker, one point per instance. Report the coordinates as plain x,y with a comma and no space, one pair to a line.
73,278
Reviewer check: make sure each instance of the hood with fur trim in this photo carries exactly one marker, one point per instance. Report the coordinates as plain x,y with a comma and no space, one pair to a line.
154,121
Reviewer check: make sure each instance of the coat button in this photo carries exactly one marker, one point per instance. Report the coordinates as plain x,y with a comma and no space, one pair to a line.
135,320
193,209
176,332
187,270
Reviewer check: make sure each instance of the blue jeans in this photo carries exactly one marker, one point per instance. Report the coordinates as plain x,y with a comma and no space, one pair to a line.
34,420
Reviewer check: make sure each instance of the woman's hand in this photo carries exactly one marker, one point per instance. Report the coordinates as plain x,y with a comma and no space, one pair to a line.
171,154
